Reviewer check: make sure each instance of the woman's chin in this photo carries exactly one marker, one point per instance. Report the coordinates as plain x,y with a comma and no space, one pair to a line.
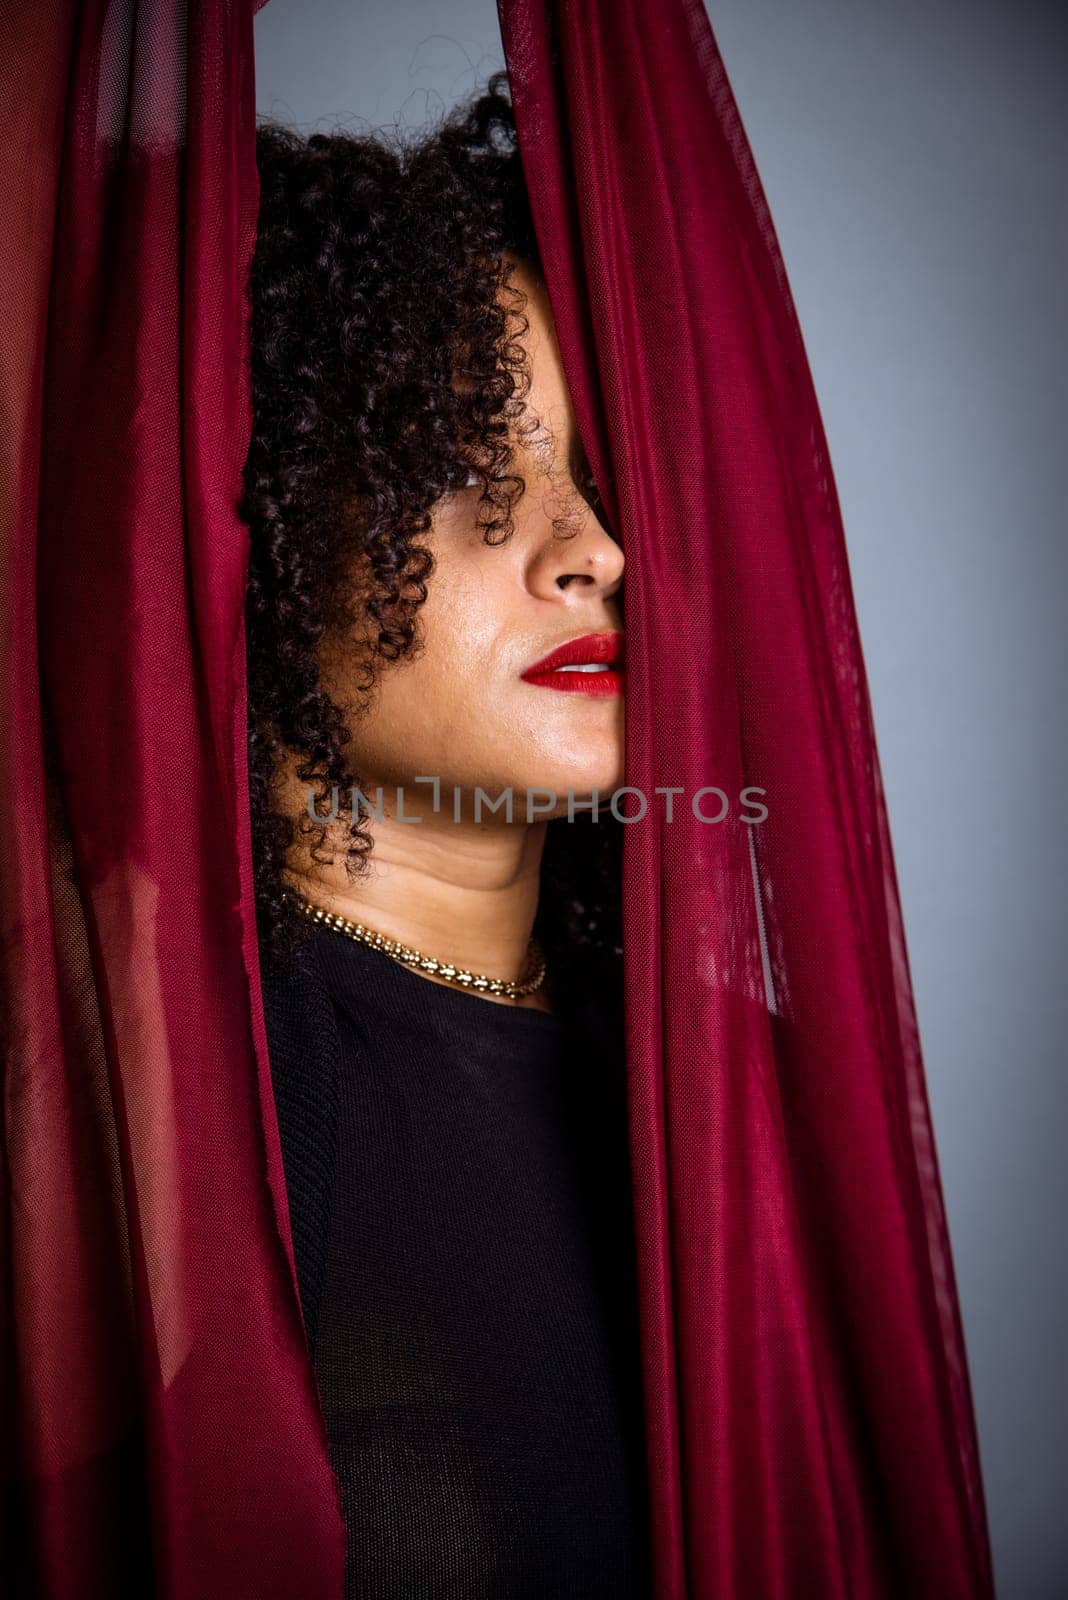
576,790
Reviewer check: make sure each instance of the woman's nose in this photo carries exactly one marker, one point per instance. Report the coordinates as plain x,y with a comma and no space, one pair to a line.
580,558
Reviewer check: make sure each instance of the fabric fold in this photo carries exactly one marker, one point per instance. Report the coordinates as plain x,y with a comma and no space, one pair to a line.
810,1428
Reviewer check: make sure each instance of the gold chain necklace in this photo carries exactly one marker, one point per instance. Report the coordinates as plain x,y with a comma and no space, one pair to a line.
408,957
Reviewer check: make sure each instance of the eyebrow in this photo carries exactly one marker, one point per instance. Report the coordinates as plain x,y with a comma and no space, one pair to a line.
542,447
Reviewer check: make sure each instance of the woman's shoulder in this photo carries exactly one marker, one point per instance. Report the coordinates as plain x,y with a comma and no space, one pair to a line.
304,1052
292,989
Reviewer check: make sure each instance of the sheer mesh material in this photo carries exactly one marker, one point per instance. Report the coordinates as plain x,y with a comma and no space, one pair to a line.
810,1421
161,1426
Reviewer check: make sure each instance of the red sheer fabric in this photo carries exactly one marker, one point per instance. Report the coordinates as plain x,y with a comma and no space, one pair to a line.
809,1421
810,1429
161,1426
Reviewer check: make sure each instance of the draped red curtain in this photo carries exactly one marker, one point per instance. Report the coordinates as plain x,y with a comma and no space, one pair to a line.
810,1428
161,1431
808,1415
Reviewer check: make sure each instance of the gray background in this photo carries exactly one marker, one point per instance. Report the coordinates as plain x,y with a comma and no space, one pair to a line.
913,157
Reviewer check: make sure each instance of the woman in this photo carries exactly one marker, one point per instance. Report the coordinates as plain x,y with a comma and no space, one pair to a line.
436,722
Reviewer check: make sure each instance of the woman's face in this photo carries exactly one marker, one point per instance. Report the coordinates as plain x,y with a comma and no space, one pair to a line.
459,708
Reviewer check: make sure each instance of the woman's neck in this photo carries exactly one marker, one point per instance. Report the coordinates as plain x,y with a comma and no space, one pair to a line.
465,893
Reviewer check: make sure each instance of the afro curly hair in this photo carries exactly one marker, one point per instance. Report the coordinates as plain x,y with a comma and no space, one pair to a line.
384,361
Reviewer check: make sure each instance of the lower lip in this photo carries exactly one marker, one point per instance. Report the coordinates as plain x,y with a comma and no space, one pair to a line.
601,685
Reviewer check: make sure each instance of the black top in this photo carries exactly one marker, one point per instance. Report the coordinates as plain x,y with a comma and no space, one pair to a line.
458,1182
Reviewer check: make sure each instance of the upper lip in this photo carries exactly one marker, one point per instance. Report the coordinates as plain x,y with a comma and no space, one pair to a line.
587,649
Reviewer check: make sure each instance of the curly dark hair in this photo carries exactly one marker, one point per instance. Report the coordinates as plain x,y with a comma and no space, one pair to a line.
378,280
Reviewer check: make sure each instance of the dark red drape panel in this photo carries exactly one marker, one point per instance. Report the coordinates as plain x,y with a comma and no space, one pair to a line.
161,1430
810,1430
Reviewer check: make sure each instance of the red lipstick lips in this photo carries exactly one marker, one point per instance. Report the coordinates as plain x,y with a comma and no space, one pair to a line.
587,665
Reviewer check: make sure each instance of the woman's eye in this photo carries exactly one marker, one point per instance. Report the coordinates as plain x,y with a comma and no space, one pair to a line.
592,493
463,477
